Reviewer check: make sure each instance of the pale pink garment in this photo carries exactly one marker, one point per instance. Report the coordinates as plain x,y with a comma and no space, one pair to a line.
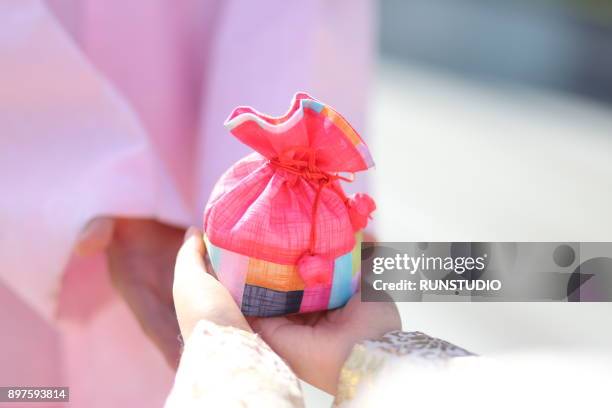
116,108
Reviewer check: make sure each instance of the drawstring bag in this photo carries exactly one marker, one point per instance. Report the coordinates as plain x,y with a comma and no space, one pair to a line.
281,234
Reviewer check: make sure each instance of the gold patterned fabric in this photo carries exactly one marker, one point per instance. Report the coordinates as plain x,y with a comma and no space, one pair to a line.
370,357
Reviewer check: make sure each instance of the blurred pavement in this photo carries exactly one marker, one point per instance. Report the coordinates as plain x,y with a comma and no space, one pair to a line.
459,161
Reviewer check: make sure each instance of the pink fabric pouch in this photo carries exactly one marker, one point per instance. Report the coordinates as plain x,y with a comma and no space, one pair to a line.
280,232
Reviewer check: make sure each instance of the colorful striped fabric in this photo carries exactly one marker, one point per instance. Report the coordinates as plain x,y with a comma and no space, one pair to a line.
339,122
263,288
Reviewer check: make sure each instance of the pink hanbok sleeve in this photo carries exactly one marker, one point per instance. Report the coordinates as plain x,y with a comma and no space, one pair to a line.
71,149
83,136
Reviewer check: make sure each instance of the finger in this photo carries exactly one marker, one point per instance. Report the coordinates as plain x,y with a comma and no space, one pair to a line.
268,326
208,265
191,254
95,236
190,277
197,294
309,319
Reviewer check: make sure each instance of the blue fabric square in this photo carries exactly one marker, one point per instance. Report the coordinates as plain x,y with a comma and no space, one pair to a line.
341,288
258,301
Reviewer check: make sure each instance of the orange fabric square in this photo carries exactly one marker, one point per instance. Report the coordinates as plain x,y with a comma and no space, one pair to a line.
273,276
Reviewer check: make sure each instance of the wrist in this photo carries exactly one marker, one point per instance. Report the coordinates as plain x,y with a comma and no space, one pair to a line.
225,363
205,325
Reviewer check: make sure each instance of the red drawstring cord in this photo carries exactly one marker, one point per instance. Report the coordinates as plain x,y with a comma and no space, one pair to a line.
308,170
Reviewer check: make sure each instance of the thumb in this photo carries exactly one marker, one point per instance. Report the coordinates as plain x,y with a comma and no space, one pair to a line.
190,271
198,294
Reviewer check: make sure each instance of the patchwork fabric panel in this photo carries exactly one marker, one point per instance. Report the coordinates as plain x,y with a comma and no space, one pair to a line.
258,301
273,276
230,268
341,286
263,288
315,298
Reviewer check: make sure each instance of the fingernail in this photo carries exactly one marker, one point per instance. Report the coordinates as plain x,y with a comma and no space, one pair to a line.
191,231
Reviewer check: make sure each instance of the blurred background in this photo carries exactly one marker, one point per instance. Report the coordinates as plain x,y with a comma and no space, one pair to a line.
492,120
561,45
